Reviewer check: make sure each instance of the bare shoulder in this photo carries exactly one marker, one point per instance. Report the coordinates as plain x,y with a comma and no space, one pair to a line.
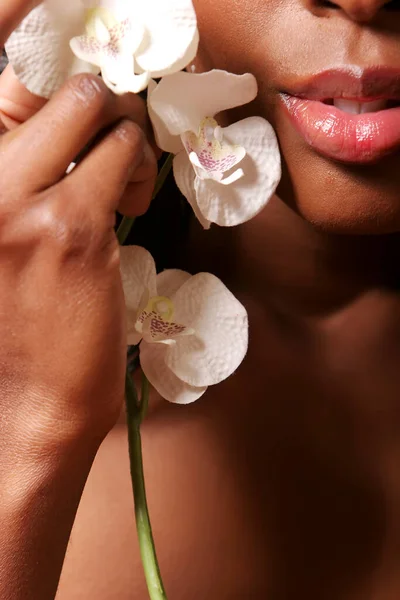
203,516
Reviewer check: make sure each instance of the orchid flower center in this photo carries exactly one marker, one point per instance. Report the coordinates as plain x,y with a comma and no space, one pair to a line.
99,24
161,306
155,320
211,155
103,28
110,44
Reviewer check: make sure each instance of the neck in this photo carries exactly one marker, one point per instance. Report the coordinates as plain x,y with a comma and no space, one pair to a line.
281,259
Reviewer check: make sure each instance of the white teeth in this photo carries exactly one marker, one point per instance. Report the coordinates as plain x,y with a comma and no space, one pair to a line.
347,106
374,106
355,108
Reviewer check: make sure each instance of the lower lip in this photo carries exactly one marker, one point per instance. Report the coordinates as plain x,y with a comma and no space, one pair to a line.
362,139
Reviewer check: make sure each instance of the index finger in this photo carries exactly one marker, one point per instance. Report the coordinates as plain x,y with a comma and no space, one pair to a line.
55,136
11,14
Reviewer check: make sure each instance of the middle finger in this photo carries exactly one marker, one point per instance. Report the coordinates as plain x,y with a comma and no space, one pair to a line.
52,138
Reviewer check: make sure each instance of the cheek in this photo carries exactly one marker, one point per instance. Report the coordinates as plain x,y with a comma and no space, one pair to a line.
252,36
231,31
238,36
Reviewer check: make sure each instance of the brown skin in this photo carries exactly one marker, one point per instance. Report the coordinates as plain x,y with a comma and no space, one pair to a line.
282,43
59,267
300,501
11,13
282,484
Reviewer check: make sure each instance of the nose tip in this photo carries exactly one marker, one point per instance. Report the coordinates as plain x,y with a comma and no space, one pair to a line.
363,11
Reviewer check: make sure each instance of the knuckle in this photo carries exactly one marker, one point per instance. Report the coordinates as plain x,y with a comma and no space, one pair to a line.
89,91
51,225
47,224
70,226
54,223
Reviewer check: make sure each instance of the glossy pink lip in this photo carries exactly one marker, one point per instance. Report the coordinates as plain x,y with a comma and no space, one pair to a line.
342,136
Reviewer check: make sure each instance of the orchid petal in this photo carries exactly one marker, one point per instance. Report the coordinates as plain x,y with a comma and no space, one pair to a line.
119,77
182,100
242,200
172,35
185,180
164,140
168,385
161,35
220,341
115,56
39,48
133,337
88,49
125,31
138,273
124,38
169,282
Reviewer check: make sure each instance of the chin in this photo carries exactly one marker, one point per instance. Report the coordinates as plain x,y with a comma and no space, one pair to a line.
337,222
338,197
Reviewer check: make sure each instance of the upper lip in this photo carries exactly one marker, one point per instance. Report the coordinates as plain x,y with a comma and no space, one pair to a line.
352,83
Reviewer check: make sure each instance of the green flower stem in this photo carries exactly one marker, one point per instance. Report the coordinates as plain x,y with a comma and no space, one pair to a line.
163,174
135,413
126,224
124,230
144,399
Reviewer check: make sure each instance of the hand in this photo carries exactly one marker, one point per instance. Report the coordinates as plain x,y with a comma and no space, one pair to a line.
62,313
11,13
14,98
62,316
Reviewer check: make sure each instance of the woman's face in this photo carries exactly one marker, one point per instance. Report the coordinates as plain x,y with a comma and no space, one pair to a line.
341,170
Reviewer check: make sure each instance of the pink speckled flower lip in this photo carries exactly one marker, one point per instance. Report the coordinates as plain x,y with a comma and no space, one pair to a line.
350,115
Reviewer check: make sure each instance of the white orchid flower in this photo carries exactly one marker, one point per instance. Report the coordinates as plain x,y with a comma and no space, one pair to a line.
128,41
227,174
192,331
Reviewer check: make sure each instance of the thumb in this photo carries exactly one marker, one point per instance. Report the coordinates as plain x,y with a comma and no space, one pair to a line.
17,105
